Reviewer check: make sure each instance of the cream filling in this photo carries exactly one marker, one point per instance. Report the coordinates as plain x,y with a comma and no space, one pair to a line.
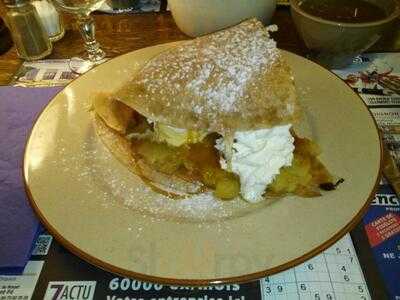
177,136
257,157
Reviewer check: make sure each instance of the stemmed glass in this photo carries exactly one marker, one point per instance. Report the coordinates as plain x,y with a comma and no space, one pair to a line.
82,10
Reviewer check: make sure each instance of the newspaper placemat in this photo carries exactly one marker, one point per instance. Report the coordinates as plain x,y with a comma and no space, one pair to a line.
21,287
55,273
44,73
376,78
334,274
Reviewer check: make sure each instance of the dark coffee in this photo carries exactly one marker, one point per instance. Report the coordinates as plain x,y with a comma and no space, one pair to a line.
348,11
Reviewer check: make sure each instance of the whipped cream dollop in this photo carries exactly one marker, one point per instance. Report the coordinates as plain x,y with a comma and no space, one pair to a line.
257,157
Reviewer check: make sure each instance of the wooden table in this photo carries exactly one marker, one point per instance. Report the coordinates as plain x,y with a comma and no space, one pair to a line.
119,34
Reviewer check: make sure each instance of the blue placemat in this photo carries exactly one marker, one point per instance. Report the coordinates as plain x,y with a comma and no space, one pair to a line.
19,107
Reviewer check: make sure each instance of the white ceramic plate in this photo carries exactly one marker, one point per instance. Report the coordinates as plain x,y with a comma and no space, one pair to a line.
103,213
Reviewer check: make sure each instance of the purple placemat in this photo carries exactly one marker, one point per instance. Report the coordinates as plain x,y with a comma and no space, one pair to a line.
19,108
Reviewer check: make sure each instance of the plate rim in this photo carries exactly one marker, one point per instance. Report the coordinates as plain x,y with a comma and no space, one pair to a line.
197,282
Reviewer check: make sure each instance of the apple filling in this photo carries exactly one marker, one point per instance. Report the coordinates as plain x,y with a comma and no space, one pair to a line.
200,162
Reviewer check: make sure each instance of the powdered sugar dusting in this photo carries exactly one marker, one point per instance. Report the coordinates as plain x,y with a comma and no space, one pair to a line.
215,67
115,185
201,205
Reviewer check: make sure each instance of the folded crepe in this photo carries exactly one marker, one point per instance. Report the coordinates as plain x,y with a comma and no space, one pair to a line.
232,80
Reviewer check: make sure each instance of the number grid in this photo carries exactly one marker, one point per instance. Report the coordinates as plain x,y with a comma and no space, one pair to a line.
335,274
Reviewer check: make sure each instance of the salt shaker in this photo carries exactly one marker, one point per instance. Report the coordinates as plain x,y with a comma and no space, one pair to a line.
27,31
50,19
5,38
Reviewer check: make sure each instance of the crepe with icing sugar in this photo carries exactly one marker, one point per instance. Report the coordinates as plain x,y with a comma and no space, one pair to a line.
234,79
181,120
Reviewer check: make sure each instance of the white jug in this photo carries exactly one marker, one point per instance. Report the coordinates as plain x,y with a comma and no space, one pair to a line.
199,17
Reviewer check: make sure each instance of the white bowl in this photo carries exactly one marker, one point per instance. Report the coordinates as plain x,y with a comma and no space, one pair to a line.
199,17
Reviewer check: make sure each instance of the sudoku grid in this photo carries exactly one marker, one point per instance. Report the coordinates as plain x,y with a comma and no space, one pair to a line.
333,274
